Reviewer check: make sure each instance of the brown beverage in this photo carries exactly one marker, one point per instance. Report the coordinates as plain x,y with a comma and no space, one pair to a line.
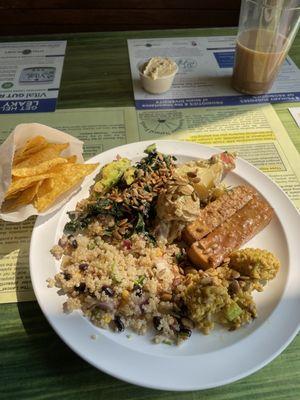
259,55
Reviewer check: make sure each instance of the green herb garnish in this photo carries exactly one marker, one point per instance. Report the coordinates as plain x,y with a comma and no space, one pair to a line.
113,274
140,225
140,280
179,257
140,228
91,245
101,207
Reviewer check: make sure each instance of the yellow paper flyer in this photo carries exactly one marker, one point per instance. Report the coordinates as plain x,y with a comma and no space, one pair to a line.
254,132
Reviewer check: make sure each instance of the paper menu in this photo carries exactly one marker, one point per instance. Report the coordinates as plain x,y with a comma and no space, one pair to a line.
205,69
30,74
15,282
255,132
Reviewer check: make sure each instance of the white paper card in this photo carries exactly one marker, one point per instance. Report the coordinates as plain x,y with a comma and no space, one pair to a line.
30,74
295,111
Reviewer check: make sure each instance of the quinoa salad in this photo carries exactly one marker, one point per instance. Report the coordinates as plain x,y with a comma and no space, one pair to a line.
156,247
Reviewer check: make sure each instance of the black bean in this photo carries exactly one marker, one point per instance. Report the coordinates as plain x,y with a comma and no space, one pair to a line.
80,288
108,291
74,244
119,323
72,241
183,308
156,322
185,331
83,266
138,290
67,276
62,243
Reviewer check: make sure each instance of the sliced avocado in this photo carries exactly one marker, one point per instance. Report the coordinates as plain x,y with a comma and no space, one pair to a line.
232,311
129,175
110,174
150,149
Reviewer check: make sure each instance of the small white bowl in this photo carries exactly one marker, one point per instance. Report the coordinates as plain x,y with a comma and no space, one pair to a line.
159,85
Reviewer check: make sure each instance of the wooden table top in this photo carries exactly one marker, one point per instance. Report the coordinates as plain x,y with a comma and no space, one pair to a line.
34,362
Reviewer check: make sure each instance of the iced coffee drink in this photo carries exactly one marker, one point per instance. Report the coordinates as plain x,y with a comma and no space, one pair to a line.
267,29
258,58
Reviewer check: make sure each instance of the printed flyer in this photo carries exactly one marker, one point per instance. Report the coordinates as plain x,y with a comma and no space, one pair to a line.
204,76
30,74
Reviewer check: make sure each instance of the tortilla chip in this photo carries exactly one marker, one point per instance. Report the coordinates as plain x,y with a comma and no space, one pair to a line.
71,159
20,184
46,187
23,198
38,169
52,150
66,176
31,146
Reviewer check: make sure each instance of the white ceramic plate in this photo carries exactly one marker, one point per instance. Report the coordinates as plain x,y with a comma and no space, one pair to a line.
203,361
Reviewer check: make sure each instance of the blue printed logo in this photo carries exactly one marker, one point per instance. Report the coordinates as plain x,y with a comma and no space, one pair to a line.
225,59
27,106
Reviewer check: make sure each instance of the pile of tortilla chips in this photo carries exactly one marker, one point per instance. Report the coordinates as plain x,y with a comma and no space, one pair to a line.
40,175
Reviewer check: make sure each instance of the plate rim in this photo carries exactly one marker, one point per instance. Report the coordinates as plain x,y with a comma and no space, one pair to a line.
138,381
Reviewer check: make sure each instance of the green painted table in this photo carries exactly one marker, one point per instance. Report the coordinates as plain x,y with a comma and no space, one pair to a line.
34,362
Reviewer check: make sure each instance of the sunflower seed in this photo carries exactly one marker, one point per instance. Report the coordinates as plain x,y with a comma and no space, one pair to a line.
195,180
166,297
191,174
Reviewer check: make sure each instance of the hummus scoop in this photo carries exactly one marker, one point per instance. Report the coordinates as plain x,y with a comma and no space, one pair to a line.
157,74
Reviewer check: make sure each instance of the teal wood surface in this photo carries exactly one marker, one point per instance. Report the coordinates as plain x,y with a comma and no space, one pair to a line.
34,362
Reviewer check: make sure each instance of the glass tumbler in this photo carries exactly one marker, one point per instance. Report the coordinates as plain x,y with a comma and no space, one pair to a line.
266,31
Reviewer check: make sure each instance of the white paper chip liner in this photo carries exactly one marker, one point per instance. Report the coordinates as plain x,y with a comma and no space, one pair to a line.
17,139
